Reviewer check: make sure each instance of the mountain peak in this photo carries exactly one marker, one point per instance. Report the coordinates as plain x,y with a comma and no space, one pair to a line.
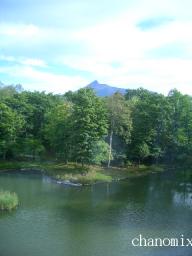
95,83
104,89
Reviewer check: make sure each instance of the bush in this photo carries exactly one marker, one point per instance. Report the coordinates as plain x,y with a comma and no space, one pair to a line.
8,200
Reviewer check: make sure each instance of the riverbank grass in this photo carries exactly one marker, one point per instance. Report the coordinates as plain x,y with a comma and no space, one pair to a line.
90,174
77,173
8,200
85,178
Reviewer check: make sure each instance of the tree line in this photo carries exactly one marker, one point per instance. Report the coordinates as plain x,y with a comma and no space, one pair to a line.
135,128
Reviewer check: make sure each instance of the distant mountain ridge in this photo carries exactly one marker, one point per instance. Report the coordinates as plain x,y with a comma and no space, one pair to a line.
17,87
103,90
1,84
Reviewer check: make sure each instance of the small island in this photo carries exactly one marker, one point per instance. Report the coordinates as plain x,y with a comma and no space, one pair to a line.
8,201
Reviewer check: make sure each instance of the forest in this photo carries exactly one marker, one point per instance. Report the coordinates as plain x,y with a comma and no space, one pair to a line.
140,127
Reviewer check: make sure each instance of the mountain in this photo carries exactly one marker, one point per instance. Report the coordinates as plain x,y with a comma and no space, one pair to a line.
1,84
104,89
16,87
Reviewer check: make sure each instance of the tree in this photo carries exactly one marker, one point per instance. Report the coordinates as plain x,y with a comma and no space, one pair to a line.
32,148
119,118
10,125
100,152
180,125
142,151
89,124
150,118
57,130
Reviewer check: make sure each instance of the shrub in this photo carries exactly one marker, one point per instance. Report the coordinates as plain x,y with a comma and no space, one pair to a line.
8,200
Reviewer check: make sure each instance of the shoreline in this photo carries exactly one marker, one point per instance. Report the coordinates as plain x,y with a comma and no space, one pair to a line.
75,175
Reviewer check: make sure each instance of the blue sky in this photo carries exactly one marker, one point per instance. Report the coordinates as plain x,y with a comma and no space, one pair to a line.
63,45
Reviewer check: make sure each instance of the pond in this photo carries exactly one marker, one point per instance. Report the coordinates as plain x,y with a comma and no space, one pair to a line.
99,220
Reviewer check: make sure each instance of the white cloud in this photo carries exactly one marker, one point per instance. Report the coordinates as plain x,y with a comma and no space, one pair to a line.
156,75
19,30
43,81
115,51
33,62
118,54
24,61
7,58
121,39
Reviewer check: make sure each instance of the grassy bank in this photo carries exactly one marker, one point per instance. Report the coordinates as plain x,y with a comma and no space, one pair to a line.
8,200
77,174
92,174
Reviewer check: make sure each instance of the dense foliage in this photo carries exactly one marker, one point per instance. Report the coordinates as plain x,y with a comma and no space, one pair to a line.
140,127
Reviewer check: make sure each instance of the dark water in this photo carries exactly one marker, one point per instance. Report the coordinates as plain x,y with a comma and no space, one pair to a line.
95,221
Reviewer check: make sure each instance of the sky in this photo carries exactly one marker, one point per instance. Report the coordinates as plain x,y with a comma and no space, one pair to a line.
62,45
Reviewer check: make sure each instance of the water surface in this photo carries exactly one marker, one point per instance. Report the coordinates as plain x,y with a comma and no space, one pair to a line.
93,221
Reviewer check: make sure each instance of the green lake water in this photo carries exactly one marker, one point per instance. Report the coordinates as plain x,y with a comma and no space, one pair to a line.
101,220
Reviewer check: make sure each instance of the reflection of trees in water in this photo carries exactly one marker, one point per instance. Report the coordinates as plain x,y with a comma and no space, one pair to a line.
167,186
183,199
168,200
108,203
6,215
152,201
183,188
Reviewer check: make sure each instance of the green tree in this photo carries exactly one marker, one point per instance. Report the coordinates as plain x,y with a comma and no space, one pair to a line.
119,118
179,130
150,120
10,126
89,124
57,130
100,152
